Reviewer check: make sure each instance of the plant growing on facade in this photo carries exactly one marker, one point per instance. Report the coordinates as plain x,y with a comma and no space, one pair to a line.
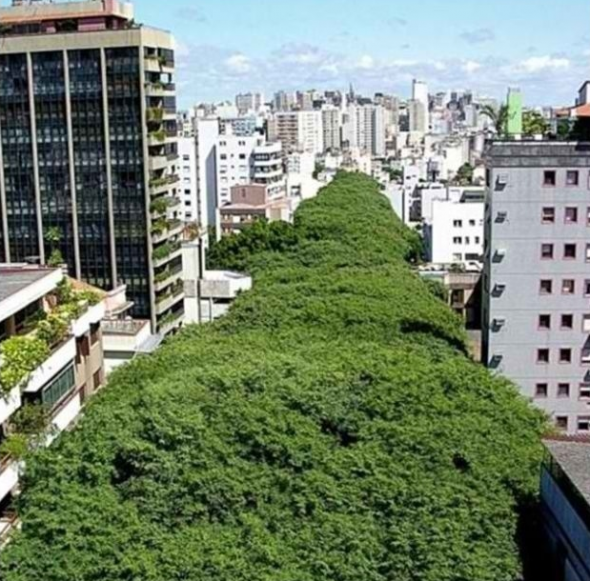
20,357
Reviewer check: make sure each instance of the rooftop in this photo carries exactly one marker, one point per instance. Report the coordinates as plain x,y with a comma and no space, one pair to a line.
573,456
15,278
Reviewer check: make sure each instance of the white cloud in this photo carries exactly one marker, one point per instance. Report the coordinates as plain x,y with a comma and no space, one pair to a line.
471,67
238,63
366,62
542,63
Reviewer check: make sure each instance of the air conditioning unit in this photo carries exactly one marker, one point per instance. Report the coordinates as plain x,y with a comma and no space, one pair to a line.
502,217
502,179
499,323
495,361
499,288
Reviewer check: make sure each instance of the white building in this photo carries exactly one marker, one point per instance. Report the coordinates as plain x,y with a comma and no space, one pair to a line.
455,232
364,128
332,121
188,189
249,103
297,131
420,94
267,169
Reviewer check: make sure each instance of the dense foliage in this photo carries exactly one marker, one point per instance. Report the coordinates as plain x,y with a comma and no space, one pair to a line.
330,428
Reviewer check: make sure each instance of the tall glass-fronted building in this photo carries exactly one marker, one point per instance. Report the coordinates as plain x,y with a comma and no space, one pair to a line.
88,149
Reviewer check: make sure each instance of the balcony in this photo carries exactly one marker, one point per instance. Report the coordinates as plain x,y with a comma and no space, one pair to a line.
158,64
9,404
59,359
166,253
166,302
165,229
162,185
170,322
160,206
164,279
155,114
9,469
160,137
158,162
158,89
92,316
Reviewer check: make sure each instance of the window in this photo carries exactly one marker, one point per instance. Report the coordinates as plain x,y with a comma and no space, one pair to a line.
457,240
457,224
548,216
584,390
584,424
568,287
587,288
545,322
58,388
572,178
543,356
571,215
567,322
472,223
477,240
562,423
541,390
565,356
585,356
563,390
587,252
585,323
547,251
242,156
587,216
569,251
96,379
467,240
549,178
186,157
94,334
223,156
546,287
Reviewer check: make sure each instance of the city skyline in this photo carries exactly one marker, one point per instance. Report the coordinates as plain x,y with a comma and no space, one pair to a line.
263,46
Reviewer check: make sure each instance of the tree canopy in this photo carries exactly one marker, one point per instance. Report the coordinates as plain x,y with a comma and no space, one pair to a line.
331,427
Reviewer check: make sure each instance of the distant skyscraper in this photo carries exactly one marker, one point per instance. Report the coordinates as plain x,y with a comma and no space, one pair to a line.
417,116
249,102
420,94
365,128
88,149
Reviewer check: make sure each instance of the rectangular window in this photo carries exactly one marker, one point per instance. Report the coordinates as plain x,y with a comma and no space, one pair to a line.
587,252
584,424
58,388
94,334
587,216
545,322
546,251
565,356
585,360
546,287
543,356
541,390
567,322
562,423
472,223
568,287
97,379
457,224
563,390
585,391
569,251
585,323
549,178
572,178
548,215
587,288
571,215
457,240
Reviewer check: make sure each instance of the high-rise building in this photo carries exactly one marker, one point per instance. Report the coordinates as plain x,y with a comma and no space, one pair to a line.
249,102
364,128
88,149
417,117
297,131
420,94
536,280
332,128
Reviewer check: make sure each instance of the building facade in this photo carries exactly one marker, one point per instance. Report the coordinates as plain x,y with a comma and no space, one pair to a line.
297,131
536,312
88,149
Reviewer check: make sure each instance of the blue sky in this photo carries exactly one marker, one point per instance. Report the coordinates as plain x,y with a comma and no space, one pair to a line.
227,46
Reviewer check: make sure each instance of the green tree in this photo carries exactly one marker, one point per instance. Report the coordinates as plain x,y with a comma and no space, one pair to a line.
534,123
464,176
498,117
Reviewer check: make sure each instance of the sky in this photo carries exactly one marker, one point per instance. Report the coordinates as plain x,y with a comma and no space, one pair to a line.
230,46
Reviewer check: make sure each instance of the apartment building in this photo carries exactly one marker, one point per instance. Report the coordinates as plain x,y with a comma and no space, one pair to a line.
88,150
332,119
248,204
249,102
364,129
297,131
454,227
537,280
188,190
51,349
268,170
565,505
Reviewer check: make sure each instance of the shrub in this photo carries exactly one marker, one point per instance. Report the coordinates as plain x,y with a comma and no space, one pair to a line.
20,357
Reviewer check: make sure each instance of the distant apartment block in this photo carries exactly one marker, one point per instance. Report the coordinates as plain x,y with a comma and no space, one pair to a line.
88,151
537,278
297,131
248,204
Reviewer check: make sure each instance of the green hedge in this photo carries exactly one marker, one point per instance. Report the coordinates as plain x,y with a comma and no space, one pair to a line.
330,428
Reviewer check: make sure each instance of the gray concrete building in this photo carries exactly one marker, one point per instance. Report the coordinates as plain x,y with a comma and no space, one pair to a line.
536,285
88,150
